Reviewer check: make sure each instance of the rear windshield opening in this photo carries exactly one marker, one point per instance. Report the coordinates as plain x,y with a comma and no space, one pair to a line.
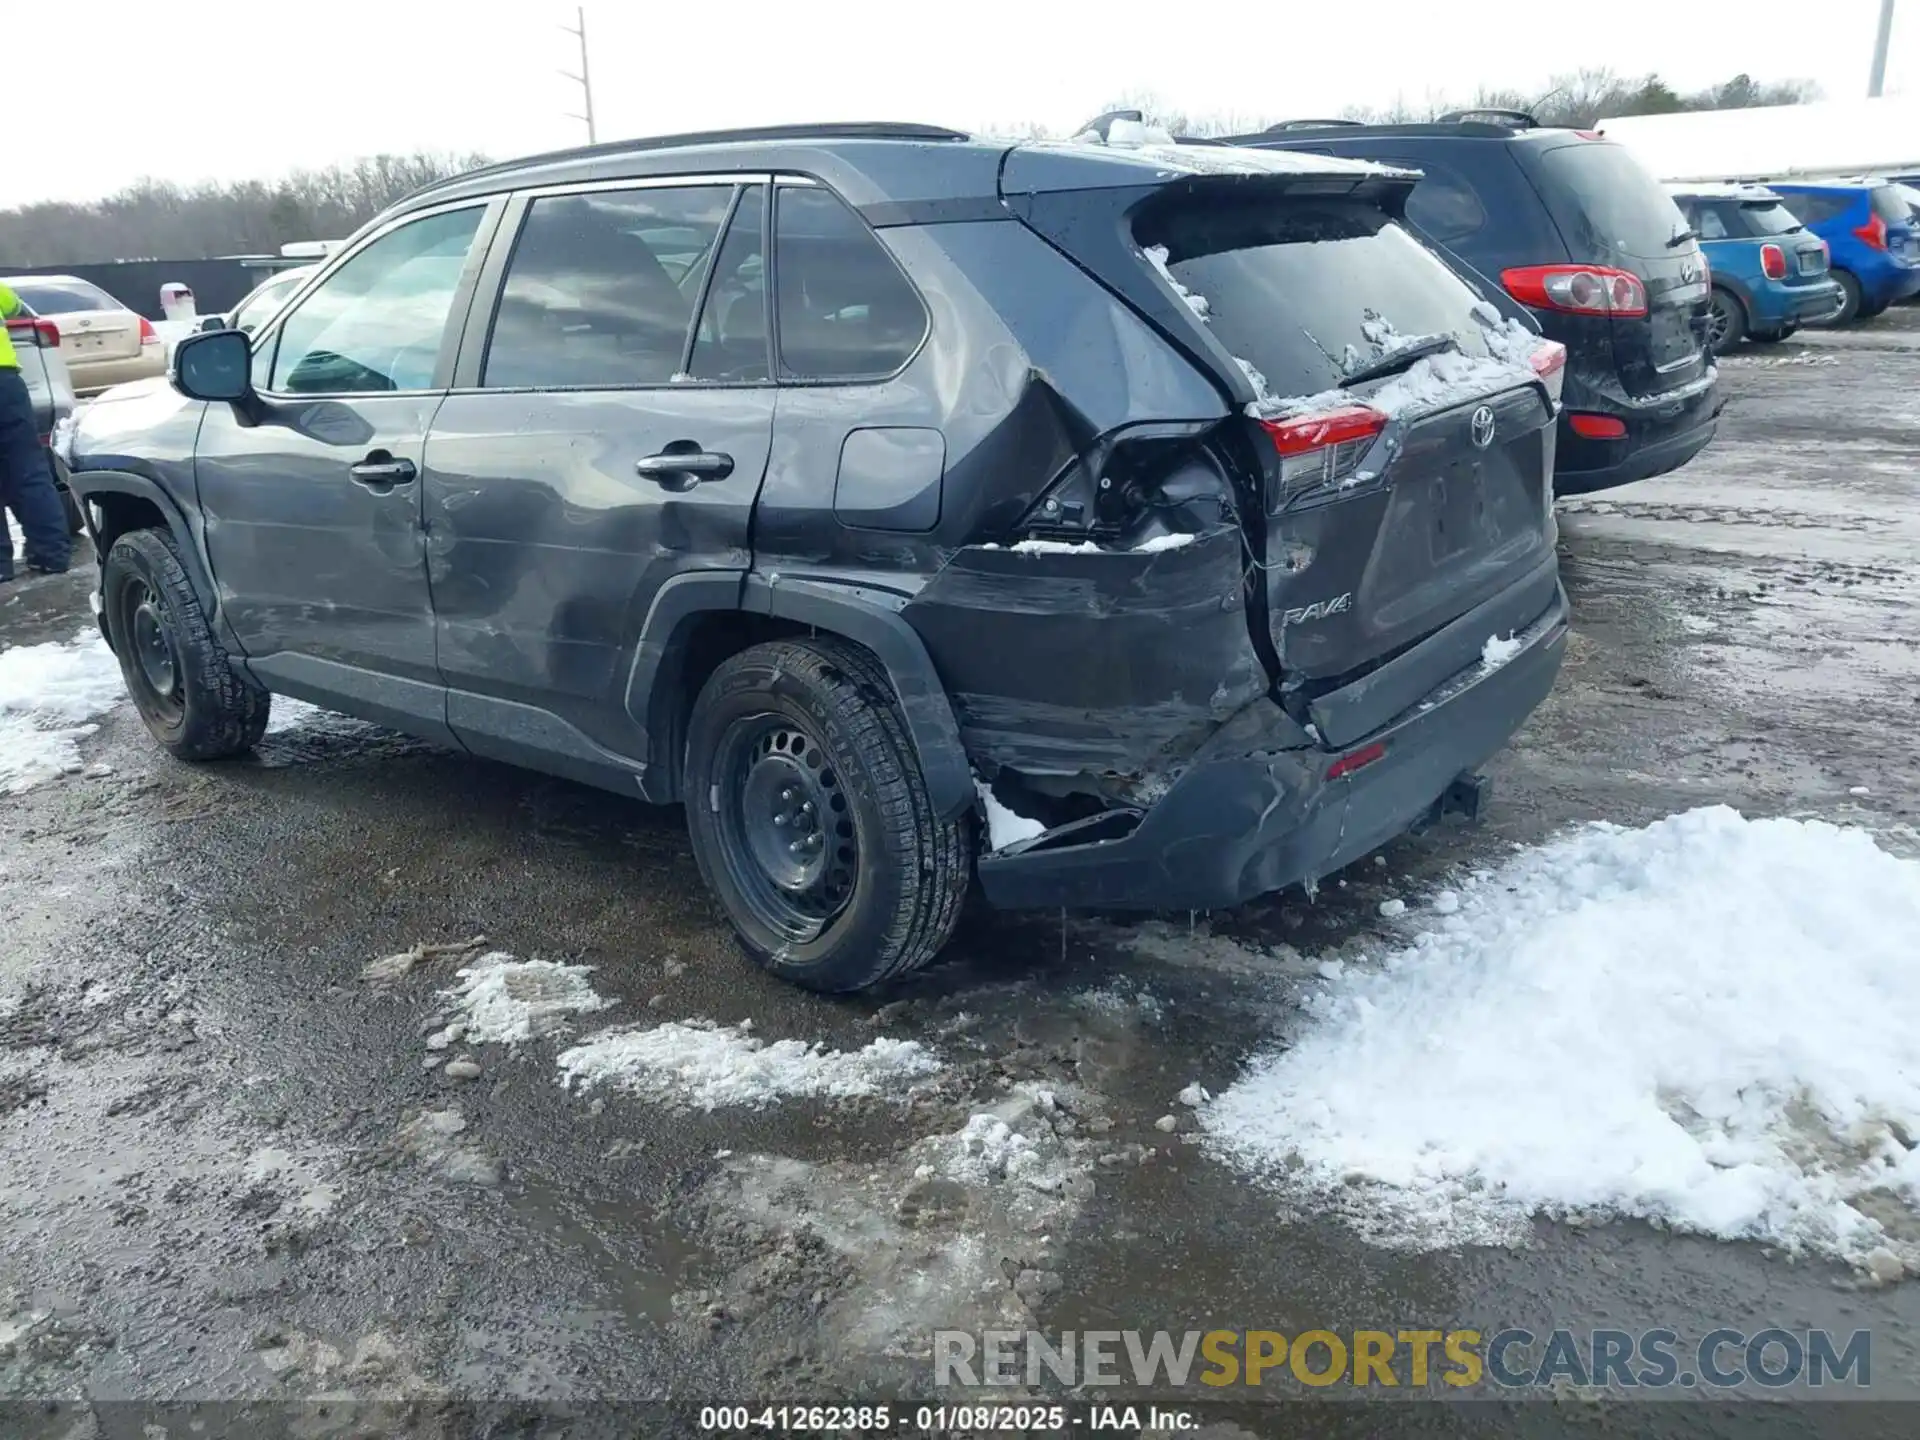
62,297
1610,200
1768,217
1309,291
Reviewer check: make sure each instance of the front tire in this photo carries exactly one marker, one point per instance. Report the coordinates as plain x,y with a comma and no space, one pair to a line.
181,680
811,821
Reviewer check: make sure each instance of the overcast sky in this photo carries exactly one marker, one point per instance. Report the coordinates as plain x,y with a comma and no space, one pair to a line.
196,89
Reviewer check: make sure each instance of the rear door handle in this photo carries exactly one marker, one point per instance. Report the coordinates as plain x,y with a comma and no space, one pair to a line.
380,472
683,465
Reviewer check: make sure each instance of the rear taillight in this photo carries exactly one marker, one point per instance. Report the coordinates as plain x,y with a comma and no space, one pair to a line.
1322,449
1773,262
1597,427
148,335
1873,234
1577,289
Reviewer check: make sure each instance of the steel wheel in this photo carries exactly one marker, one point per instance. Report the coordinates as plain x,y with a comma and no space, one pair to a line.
144,621
785,828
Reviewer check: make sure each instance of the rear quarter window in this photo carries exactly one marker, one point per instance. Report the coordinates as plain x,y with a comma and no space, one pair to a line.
1605,201
1300,289
1444,205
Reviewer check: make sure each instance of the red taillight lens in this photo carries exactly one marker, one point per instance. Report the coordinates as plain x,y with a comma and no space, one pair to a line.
1597,427
1773,262
148,336
1873,234
1577,289
1321,449
49,334
1354,759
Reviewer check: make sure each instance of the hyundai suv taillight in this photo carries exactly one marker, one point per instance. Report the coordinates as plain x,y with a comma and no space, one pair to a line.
1577,289
1773,262
1321,450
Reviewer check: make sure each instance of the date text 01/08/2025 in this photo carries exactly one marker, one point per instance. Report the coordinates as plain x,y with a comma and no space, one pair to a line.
938,1419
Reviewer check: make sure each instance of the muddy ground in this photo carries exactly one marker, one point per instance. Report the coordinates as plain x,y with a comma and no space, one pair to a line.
226,1172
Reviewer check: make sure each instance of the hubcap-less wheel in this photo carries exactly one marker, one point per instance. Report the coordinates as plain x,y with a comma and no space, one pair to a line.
153,650
786,829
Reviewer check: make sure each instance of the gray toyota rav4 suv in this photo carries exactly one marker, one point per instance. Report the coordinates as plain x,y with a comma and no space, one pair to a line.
1128,526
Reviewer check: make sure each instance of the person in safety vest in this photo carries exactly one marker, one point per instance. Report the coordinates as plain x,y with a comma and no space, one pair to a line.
26,471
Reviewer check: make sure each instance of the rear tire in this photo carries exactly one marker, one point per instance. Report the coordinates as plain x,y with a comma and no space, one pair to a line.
1728,321
1849,310
1868,311
192,699
811,821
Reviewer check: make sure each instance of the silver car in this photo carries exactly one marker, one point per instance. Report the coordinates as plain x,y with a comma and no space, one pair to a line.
103,342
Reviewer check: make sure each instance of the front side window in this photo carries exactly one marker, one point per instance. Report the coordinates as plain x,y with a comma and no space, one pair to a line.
601,288
845,310
376,323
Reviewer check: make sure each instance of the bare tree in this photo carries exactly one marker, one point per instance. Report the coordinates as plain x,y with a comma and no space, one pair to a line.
156,219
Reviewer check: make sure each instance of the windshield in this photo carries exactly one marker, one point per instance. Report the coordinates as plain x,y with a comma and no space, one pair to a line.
1610,200
62,297
261,304
1768,217
1309,293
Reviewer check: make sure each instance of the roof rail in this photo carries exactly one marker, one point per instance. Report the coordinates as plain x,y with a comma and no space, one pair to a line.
827,130
1519,119
1285,125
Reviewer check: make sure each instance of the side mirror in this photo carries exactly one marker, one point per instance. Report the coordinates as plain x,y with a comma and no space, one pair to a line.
214,322
214,365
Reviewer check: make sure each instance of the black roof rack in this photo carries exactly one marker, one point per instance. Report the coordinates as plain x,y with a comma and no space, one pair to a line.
827,130
1285,125
1519,119
1103,122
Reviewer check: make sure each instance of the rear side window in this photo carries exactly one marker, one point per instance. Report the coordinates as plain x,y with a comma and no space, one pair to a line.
1709,220
1444,205
1892,206
1604,199
1305,291
730,344
63,297
601,288
845,310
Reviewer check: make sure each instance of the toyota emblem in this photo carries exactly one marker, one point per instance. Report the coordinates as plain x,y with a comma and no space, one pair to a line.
1482,427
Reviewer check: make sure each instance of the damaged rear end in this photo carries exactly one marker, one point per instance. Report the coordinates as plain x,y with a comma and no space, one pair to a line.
1231,650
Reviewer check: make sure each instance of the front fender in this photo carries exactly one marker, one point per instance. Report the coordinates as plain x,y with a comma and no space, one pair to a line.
101,486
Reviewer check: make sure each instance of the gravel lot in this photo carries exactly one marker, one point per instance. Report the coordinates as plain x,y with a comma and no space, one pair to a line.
234,1167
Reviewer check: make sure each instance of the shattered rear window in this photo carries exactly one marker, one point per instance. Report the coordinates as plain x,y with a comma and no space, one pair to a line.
1307,292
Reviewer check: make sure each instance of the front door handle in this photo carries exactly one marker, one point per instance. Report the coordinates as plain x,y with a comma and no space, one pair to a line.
683,465
380,472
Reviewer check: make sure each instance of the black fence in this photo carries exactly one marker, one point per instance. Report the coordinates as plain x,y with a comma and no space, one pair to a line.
217,285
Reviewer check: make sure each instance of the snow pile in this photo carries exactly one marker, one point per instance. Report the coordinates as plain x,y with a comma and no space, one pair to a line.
1708,1023
706,1066
1005,828
47,694
990,1151
1160,543
1498,650
1196,302
504,1001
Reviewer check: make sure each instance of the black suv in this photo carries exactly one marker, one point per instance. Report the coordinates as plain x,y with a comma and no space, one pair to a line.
882,495
1574,229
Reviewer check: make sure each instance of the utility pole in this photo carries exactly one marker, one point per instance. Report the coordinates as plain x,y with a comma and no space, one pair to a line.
585,78
1877,79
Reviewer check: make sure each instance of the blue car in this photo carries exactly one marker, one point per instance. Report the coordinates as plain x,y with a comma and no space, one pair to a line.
1769,271
1869,227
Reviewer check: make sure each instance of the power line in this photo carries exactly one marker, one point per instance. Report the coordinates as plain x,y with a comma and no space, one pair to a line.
585,78
1877,78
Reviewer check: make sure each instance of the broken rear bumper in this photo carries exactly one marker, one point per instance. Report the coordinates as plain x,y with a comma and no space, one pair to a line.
1255,811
